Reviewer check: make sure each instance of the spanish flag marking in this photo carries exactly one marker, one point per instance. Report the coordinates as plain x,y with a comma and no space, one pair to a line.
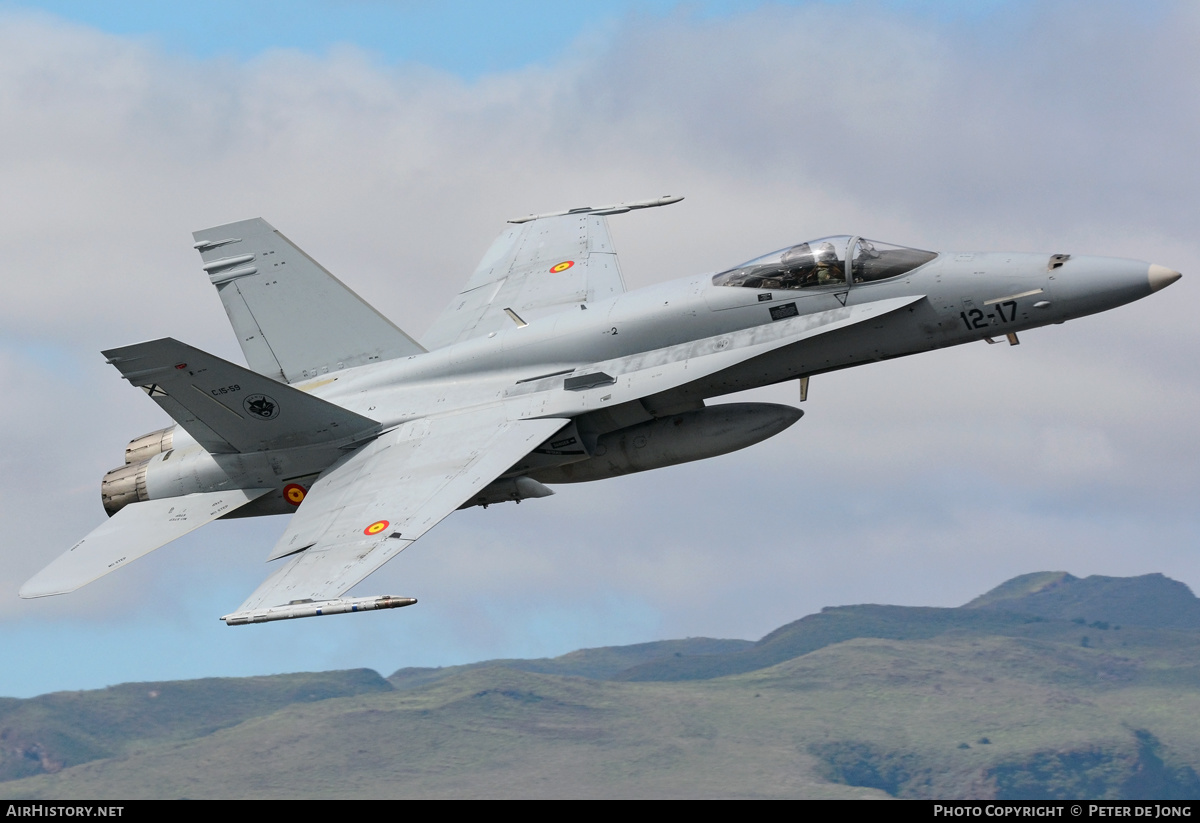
375,528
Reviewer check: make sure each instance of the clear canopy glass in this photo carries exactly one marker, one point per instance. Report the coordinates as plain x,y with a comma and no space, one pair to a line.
823,263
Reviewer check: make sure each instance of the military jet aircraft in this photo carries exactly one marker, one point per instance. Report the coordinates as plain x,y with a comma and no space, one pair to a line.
542,370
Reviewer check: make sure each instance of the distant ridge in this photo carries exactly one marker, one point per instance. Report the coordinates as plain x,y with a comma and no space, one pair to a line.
1152,600
603,663
816,631
1046,687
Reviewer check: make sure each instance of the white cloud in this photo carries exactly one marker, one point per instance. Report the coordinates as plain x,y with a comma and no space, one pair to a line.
917,481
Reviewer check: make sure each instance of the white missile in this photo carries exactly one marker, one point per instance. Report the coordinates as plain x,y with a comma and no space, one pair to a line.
311,608
615,208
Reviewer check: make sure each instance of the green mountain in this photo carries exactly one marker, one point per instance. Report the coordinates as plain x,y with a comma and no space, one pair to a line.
599,664
1048,686
1149,600
55,731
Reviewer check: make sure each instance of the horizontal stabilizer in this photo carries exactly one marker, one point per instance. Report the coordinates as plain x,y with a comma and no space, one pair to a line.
293,319
133,532
228,408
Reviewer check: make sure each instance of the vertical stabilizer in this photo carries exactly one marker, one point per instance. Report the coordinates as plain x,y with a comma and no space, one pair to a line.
294,320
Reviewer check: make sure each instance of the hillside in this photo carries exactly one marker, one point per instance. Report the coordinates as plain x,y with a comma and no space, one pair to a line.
1029,691
1150,600
56,731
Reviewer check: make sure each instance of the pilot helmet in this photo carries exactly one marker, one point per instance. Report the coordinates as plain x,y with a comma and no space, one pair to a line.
825,254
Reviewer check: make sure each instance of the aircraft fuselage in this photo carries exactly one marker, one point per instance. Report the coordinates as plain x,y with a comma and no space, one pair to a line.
966,297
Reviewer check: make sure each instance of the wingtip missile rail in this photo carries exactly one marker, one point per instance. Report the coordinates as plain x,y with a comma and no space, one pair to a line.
615,208
318,608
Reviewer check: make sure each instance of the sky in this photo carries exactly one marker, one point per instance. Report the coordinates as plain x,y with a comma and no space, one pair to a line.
391,140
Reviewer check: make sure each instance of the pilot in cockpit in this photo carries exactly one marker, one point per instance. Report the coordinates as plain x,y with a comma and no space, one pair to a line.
796,267
827,268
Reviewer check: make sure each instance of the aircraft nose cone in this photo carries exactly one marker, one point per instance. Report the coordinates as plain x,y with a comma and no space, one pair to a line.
1161,277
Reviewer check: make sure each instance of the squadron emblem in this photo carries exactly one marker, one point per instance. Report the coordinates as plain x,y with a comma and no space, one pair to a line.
261,406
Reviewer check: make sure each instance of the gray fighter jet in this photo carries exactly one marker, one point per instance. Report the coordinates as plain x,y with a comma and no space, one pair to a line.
542,370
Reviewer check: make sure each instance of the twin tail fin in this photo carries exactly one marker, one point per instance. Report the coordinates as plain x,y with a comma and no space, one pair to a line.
293,319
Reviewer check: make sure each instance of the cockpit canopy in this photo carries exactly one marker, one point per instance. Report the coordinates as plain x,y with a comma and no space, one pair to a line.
823,263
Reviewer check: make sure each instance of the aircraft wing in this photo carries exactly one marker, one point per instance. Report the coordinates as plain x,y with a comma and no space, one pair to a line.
543,263
133,532
609,383
374,503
